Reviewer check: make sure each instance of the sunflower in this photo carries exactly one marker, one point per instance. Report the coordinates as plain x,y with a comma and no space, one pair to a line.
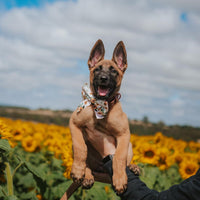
188,168
194,146
190,156
67,162
4,131
39,196
178,157
165,159
17,135
107,189
158,138
29,144
38,137
198,157
148,154
181,145
171,145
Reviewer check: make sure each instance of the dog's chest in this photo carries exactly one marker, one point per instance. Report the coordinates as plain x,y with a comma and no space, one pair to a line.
97,127
107,126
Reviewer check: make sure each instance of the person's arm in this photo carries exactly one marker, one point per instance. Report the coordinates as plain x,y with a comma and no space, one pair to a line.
187,190
137,190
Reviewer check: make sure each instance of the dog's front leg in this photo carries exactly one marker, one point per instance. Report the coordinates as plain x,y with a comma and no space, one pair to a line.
80,153
120,162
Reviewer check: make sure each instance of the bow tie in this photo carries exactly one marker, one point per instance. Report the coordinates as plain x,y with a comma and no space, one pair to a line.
100,106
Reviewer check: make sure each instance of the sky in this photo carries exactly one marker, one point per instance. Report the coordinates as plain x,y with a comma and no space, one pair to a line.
45,45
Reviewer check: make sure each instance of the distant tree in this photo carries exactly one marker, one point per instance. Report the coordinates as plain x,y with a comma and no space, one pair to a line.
160,124
145,120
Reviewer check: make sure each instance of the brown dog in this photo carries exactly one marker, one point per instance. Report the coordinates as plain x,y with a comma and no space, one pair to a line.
105,81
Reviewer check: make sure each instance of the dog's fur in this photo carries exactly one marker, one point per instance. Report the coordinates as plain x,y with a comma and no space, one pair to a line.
106,76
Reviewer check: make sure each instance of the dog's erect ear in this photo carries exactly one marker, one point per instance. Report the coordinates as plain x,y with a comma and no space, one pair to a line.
120,56
96,54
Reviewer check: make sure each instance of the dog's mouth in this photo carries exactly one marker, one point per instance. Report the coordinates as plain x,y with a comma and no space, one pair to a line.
104,86
103,91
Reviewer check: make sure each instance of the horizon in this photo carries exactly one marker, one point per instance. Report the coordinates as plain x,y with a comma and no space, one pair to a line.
68,110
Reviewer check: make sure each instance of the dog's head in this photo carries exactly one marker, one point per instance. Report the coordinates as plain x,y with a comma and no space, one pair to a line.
106,75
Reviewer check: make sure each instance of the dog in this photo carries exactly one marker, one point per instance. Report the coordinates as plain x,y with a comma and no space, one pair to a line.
109,120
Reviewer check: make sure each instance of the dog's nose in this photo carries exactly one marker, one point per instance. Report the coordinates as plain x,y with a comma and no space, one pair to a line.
104,78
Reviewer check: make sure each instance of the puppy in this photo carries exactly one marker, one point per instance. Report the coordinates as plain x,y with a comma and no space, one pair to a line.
101,112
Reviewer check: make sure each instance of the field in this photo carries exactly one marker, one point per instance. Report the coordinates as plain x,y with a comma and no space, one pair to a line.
36,159
140,127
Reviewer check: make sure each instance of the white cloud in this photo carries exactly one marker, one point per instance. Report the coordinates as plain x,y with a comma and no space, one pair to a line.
185,5
41,49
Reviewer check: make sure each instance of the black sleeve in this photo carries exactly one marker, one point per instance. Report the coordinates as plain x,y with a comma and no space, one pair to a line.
137,190
187,190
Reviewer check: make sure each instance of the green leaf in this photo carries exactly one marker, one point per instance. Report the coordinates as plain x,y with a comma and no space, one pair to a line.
1,192
30,195
96,192
11,198
56,164
4,145
173,175
55,178
164,182
35,171
150,176
60,189
26,181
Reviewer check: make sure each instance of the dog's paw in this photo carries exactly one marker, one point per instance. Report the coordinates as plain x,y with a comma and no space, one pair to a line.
77,174
135,169
87,183
88,180
120,183
77,178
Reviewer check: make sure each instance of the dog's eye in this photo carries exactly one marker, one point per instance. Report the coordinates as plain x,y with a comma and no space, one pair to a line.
113,71
98,69
111,68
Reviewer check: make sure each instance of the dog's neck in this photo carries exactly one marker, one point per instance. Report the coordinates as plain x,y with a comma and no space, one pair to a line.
101,107
113,100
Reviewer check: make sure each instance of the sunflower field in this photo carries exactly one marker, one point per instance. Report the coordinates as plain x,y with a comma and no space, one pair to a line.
36,160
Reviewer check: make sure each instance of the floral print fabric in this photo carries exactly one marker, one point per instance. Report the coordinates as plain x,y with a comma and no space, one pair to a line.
100,106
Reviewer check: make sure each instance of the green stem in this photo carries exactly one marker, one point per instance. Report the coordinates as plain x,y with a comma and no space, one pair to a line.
18,166
83,195
3,191
9,179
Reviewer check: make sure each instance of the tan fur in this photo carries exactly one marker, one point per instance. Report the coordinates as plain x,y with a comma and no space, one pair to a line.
114,125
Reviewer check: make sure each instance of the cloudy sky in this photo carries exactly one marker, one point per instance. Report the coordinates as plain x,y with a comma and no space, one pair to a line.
44,47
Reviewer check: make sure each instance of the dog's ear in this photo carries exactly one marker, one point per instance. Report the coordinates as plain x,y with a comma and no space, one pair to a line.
120,56
96,54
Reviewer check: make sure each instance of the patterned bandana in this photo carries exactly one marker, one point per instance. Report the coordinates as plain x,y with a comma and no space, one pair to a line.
100,106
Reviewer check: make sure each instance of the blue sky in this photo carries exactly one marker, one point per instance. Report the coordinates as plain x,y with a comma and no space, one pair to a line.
9,4
45,46
184,17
